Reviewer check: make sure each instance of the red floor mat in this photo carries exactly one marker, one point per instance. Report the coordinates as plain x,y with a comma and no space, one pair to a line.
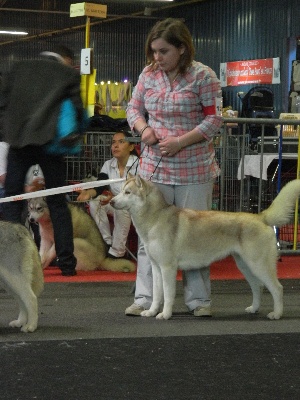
288,268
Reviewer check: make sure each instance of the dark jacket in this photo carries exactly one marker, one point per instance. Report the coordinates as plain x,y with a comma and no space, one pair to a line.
33,91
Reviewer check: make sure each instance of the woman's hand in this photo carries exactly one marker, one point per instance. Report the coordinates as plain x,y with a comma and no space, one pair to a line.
170,146
86,194
148,136
105,197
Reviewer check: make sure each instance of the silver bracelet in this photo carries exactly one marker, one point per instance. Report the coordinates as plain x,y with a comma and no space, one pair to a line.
180,147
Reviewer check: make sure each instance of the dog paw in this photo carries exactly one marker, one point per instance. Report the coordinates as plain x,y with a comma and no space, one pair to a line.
28,328
273,315
15,324
163,315
148,313
251,310
24,327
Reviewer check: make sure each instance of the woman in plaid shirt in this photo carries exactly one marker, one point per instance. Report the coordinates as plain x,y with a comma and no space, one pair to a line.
180,98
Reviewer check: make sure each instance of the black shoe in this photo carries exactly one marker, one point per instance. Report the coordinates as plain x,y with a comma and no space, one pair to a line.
68,272
67,265
54,263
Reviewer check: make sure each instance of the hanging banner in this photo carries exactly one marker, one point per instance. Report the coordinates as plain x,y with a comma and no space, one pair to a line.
262,71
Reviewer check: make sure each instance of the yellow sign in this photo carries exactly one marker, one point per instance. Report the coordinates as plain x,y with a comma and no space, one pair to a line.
88,9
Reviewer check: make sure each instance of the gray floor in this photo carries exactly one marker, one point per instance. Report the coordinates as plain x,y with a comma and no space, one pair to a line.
69,311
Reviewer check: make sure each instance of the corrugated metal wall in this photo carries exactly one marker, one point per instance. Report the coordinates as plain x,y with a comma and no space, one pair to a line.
233,30
223,30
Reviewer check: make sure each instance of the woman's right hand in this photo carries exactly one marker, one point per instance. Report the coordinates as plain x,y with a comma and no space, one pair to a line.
149,137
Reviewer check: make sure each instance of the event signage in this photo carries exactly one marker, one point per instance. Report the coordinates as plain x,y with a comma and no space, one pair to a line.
88,9
262,71
86,61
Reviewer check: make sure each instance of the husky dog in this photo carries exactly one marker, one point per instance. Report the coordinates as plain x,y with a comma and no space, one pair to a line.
89,246
21,272
186,239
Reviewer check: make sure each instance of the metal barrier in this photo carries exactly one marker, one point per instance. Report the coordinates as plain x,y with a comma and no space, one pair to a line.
235,189
251,178
95,151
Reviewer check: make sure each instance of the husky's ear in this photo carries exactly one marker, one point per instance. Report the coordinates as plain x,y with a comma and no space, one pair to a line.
129,176
139,181
142,184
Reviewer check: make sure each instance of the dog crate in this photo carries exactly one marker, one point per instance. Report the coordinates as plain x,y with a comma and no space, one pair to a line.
252,194
258,102
95,151
229,150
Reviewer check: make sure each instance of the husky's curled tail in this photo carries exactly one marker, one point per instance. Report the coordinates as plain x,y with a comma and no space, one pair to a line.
283,206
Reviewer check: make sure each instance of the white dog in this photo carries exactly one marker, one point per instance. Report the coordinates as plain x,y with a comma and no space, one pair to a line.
21,272
186,239
89,246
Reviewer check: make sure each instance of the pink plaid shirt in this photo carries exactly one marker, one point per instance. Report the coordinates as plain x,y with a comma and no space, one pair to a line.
175,109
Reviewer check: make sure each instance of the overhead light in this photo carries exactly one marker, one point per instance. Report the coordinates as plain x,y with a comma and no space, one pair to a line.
13,33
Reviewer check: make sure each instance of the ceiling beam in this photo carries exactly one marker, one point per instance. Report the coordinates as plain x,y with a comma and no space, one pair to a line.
112,18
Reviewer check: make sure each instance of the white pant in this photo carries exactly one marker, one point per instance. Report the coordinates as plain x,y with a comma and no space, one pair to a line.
122,221
196,282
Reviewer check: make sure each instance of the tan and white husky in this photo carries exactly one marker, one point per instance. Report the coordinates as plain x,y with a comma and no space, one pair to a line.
89,246
21,273
186,239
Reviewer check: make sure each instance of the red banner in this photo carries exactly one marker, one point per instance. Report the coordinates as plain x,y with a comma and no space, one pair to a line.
263,71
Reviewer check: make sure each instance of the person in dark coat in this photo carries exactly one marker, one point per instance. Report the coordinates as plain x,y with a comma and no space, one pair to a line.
33,91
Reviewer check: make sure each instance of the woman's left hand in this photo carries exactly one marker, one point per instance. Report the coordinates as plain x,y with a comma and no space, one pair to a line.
84,195
169,146
105,197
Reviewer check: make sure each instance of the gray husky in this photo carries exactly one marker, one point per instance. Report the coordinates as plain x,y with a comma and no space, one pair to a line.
21,272
89,246
186,239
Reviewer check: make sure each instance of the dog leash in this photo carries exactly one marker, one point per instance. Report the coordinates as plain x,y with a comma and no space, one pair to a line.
137,165
155,168
138,159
